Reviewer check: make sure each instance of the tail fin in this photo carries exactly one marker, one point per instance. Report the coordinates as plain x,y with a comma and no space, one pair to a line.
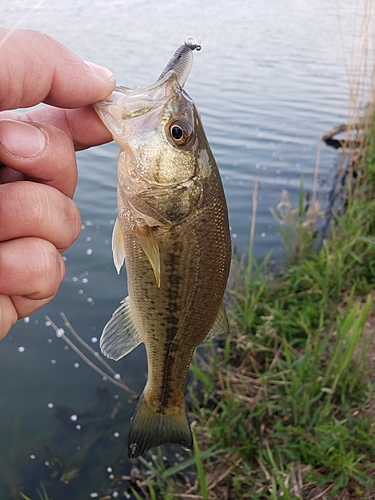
149,429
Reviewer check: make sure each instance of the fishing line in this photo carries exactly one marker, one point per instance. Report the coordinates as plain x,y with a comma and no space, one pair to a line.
18,23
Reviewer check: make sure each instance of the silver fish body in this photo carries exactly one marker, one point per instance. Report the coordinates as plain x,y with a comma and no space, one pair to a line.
172,232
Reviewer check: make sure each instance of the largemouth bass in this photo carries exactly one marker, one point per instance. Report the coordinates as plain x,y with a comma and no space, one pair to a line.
172,232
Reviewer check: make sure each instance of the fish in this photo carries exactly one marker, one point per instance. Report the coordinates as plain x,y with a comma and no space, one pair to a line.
172,232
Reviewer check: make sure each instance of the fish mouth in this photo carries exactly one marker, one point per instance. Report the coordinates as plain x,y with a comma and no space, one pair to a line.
153,94
121,109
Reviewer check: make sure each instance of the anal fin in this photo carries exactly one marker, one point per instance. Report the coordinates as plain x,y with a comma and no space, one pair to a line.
120,335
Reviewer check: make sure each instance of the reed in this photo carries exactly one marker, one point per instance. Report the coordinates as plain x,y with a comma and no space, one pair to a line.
109,373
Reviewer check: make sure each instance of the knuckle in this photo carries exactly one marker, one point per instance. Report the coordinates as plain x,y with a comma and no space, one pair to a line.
43,268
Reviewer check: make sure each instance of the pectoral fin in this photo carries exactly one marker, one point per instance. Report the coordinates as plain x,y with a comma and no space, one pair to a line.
150,247
118,246
221,325
120,335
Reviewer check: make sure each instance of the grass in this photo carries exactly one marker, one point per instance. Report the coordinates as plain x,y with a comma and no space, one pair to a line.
285,407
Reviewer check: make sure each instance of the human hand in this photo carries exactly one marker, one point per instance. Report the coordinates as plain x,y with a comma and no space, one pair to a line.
38,172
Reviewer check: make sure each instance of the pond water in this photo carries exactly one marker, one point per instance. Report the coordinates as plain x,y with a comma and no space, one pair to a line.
271,78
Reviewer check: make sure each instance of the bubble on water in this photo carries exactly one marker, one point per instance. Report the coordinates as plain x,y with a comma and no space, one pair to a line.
78,427
258,165
26,320
89,251
74,278
106,242
65,258
32,457
240,183
60,332
83,227
47,323
66,348
46,463
117,376
49,341
50,405
112,221
88,238
94,494
89,299
94,340
234,235
115,494
264,167
104,379
76,365
116,434
85,280
21,349
109,470
116,396
80,291
73,417
53,361
263,235
88,223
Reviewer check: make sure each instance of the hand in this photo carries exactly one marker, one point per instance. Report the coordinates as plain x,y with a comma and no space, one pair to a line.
38,174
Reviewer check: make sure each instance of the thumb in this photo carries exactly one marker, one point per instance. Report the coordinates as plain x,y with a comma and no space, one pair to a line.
36,68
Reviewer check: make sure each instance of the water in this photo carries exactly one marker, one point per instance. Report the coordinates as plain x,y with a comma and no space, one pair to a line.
271,78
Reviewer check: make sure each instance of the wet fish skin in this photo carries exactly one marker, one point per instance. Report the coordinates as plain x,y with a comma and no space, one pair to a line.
173,233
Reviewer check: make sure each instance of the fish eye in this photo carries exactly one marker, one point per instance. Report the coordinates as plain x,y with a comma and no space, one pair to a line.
180,132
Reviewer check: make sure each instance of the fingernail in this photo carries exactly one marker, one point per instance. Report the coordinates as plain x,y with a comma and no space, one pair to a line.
100,71
21,139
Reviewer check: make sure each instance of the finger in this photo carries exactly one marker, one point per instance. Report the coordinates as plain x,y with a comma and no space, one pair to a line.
40,152
32,209
16,307
82,124
36,68
30,267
